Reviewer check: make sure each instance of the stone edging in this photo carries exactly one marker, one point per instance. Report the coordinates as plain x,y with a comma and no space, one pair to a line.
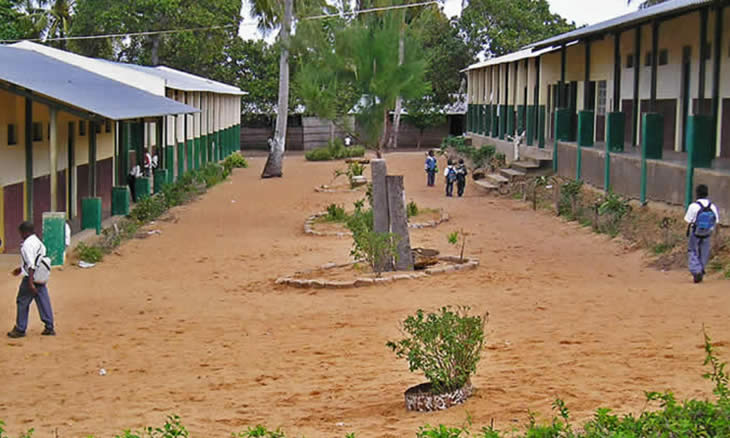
309,225
321,283
327,189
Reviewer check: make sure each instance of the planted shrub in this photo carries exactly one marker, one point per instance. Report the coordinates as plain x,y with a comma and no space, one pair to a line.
376,249
445,346
148,209
89,254
319,154
412,209
336,213
234,161
570,194
614,208
479,157
334,150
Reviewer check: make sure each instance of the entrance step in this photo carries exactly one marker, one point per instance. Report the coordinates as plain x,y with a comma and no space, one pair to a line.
525,166
511,174
496,179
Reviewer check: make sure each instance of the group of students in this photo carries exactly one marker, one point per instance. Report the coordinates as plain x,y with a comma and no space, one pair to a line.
452,174
151,162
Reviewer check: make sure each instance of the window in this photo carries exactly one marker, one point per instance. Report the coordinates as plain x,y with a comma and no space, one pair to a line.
601,110
663,57
82,128
37,131
12,135
629,61
108,126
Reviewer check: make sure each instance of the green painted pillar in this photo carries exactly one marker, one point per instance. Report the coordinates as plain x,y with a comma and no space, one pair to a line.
120,201
585,128
502,121
160,179
615,131
468,117
562,124
54,236
142,188
198,152
237,147
531,114
91,214
521,113
700,150
189,155
495,121
652,140
541,124
482,127
510,120
556,122
204,149
180,159
488,120
170,163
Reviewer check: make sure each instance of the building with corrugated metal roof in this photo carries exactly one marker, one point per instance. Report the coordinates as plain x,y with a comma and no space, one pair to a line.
639,103
72,127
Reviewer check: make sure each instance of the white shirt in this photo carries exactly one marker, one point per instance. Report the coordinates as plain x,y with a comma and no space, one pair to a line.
32,246
136,171
694,209
155,161
446,171
68,234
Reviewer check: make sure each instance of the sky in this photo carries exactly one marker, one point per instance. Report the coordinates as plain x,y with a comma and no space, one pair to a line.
580,11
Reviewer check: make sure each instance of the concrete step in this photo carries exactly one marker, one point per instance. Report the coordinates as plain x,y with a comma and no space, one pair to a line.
525,165
535,153
486,185
512,173
496,179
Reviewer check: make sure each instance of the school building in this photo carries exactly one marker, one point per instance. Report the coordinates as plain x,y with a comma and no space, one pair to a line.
639,104
71,128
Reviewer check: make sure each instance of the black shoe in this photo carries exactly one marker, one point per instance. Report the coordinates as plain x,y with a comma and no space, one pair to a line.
48,332
698,278
15,333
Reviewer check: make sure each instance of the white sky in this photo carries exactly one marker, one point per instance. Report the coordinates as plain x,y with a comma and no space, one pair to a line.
580,11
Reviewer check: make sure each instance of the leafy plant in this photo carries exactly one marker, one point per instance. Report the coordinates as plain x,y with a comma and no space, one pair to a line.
234,161
412,209
570,194
498,161
615,208
172,428
89,254
148,209
334,150
454,237
377,249
259,432
335,213
445,345
441,431
479,157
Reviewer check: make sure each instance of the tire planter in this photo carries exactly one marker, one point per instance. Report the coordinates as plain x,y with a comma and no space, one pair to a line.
420,399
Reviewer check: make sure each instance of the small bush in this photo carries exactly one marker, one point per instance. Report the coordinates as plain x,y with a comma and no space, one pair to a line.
446,346
412,209
211,174
235,161
570,195
336,213
334,150
441,431
148,209
376,249
319,154
479,157
260,432
89,254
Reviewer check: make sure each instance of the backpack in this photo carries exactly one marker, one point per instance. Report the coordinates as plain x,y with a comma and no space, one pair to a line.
451,177
42,271
705,221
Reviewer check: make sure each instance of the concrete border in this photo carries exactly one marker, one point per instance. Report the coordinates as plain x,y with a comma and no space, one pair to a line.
309,225
320,283
326,189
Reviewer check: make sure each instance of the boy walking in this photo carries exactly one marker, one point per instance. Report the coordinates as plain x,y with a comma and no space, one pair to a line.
31,251
450,174
461,173
431,169
701,218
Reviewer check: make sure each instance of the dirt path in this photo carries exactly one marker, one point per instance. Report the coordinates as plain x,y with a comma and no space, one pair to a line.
189,322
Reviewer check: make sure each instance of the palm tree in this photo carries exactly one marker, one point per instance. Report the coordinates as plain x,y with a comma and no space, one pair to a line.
60,14
270,14
34,18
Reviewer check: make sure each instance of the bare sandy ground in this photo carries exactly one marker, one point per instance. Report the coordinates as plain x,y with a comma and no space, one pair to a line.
190,322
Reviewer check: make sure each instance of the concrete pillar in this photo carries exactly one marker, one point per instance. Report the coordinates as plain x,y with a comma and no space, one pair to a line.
28,159
399,221
381,218
53,157
91,214
700,150
585,128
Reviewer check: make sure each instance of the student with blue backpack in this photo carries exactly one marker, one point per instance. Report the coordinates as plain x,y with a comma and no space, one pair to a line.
450,175
701,217
431,169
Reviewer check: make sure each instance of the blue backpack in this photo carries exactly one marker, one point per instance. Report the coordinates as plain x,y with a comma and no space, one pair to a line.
705,221
451,177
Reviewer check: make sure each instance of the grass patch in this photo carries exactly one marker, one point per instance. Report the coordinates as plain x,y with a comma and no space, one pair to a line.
661,248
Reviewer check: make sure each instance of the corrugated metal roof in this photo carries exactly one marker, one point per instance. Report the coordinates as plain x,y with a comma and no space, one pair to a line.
670,7
182,81
82,89
510,57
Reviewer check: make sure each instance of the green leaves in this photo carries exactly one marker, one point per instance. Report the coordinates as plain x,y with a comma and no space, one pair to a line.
446,346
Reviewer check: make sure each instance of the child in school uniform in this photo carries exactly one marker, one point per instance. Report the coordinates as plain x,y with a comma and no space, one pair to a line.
461,173
450,176
431,169
702,217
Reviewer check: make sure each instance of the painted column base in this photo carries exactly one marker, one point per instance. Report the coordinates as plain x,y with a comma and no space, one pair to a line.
563,124
541,125
142,188
502,121
91,214
120,201
615,131
160,179
180,159
586,128
170,163
189,163
510,120
700,150
494,129
54,236
652,136
521,125
531,114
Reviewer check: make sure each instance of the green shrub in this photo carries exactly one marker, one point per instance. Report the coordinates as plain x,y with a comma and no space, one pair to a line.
89,254
446,346
260,432
376,249
336,213
211,174
148,209
334,150
441,431
235,161
570,194
478,156
412,209
319,154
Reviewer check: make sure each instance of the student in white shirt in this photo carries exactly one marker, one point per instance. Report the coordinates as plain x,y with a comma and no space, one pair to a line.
29,291
702,217
134,173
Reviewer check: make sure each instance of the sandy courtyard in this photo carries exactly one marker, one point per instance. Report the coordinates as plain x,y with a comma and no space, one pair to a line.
190,322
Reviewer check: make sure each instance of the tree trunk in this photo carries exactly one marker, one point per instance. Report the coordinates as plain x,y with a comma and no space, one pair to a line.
382,142
399,100
275,162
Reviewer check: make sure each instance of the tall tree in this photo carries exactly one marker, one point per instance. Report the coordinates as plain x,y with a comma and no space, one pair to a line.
270,13
9,20
60,15
498,27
